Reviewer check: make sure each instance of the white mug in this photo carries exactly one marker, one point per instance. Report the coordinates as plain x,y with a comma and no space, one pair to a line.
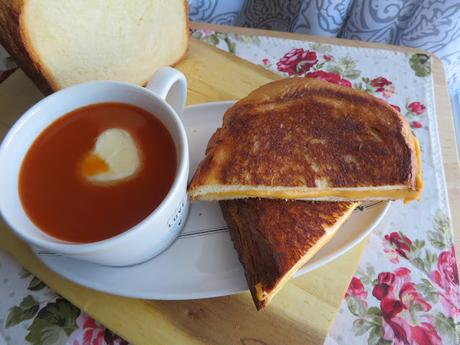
165,97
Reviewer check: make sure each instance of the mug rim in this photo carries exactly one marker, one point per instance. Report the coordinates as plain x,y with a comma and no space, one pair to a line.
84,248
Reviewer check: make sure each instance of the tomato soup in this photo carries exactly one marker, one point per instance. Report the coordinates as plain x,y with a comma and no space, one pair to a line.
97,171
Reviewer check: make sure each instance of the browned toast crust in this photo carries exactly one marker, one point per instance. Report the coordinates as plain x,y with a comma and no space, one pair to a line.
294,132
271,236
186,46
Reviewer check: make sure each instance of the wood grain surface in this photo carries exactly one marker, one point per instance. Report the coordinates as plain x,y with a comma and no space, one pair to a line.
302,312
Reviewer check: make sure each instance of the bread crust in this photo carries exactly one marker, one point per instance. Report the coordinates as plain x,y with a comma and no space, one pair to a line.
187,34
13,39
186,46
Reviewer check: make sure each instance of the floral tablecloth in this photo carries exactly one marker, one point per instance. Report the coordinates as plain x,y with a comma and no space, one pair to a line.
406,289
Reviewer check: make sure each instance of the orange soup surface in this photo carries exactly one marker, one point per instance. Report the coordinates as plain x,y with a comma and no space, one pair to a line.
71,187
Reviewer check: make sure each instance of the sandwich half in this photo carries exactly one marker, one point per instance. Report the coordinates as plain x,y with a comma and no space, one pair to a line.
274,238
307,139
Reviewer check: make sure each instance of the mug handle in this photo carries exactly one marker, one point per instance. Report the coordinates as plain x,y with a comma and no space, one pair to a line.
170,85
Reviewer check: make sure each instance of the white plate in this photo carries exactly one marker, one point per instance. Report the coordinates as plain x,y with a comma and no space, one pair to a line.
202,262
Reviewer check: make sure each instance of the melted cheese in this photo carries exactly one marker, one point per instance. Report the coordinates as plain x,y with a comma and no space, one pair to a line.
218,192
392,194
418,178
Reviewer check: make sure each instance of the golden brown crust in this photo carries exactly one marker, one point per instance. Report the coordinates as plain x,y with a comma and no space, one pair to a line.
187,35
187,31
296,131
14,5
271,236
40,66
13,39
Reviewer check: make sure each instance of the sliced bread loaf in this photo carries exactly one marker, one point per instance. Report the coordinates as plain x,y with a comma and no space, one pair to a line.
60,43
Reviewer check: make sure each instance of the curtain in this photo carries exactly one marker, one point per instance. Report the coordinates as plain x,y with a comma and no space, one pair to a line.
432,25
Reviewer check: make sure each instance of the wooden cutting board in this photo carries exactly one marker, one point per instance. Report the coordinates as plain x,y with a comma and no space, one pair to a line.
302,312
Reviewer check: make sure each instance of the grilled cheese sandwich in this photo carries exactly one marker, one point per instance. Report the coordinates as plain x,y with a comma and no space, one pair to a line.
307,139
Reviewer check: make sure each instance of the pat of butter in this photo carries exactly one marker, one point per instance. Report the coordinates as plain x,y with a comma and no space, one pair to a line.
115,157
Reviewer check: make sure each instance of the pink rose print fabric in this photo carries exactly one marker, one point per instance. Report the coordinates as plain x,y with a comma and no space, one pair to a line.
446,278
416,124
330,77
383,86
90,332
416,108
414,112
404,312
395,107
398,295
297,62
396,245
356,289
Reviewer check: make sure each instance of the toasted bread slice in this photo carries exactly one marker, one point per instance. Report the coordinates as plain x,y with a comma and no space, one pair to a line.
300,138
61,43
274,238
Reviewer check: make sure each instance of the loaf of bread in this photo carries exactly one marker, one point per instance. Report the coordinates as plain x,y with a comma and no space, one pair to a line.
63,42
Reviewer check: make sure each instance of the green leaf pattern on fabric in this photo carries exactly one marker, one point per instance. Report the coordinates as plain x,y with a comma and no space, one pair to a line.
448,327
229,41
25,311
53,324
24,273
36,284
440,236
421,64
